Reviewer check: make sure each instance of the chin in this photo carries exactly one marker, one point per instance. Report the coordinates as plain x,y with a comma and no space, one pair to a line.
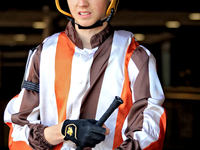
86,23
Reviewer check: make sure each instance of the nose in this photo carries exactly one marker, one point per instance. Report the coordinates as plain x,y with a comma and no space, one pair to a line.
83,3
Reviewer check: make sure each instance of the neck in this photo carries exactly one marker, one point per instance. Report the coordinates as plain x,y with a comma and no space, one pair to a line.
86,34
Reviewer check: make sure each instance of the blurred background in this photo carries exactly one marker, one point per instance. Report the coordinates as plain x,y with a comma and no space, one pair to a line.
169,29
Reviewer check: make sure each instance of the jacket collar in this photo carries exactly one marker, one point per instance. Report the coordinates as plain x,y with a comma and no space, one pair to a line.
96,39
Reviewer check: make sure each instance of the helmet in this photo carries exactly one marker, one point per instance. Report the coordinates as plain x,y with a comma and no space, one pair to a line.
113,5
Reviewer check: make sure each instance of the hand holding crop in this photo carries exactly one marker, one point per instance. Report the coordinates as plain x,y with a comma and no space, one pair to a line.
85,133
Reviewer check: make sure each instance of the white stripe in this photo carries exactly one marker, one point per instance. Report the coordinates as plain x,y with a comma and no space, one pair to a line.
47,79
13,107
125,125
156,90
33,116
113,83
20,133
151,129
28,64
133,73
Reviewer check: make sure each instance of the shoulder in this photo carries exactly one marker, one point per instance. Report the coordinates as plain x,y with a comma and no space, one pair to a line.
141,55
123,34
40,48
51,39
141,52
125,39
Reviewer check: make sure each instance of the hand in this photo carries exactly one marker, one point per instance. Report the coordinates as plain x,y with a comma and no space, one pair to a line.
85,133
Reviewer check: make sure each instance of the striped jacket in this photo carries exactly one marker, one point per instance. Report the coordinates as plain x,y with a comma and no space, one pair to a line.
78,83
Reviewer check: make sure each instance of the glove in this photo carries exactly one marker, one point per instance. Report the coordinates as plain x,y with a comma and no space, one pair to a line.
85,133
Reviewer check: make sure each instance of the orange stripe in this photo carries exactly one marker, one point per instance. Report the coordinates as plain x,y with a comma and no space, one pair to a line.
63,62
16,145
126,96
158,145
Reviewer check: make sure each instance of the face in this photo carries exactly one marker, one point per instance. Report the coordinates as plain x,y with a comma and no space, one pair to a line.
88,12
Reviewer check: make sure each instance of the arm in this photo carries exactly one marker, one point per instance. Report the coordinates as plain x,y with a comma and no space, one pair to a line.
22,113
146,119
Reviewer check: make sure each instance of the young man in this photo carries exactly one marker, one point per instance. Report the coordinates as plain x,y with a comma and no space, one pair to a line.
72,78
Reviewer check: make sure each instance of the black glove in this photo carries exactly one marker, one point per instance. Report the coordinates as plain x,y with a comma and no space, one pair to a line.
85,133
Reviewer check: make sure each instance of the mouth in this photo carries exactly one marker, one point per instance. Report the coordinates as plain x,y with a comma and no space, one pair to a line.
84,13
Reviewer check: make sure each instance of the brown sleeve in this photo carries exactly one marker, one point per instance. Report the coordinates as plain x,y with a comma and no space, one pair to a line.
36,137
30,101
129,144
141,94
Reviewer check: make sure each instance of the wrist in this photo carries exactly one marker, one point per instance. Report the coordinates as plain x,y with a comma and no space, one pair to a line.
60,135
53,134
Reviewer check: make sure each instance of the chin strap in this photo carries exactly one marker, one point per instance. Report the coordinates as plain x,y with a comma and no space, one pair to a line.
97,24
